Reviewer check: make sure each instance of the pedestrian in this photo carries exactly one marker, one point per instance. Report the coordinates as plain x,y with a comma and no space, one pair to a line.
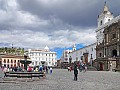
36,69
40,69
68,68
50,70
30,69
2,68
75,72
46,69
85,68
5,71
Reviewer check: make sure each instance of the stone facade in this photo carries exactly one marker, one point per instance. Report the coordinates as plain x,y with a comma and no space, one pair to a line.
108,52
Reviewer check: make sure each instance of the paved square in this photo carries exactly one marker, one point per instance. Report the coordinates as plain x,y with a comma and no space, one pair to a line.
61,79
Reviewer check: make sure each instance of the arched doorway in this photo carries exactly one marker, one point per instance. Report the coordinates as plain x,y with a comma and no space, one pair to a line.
114,53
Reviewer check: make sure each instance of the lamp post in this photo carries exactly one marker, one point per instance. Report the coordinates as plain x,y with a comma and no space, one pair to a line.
91,60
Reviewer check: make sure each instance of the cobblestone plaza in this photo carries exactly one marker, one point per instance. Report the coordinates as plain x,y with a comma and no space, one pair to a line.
61,79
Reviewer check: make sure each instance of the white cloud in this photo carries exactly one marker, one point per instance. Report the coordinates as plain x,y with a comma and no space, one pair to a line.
33,39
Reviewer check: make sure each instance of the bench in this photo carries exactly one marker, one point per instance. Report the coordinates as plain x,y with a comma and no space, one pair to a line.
25,74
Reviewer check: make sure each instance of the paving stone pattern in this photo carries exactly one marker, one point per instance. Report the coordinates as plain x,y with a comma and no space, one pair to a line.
61,79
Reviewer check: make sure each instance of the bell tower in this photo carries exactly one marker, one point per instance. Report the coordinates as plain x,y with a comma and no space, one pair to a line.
105,16
74,47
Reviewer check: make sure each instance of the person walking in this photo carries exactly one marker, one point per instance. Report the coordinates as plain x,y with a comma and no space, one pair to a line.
75,72
5,71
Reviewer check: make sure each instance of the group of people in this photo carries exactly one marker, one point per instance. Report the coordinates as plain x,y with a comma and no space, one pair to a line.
12,69
40,69
29,69
82,67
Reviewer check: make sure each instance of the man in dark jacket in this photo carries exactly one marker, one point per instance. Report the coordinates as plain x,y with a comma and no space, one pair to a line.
75,72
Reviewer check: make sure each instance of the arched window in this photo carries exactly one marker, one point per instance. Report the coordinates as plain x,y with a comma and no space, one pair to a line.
15,61
100,54
114,53
14,65
8,61
114,36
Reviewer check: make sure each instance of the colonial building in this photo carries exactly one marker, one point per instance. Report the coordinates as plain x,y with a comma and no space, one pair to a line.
11,61
65,57
86,54
42,56
108,44
58,64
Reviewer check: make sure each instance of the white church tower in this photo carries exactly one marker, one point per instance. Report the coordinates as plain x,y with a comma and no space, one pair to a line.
103,18
74,47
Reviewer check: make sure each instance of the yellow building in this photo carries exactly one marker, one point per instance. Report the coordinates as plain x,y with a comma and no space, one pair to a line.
12,61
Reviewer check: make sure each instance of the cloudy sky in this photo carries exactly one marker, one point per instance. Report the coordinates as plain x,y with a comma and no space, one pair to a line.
55,23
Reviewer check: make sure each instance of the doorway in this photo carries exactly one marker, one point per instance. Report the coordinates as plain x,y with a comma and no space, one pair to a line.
101,66
114,53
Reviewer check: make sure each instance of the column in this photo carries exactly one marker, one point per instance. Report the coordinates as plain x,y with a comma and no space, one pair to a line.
107,38
118,50
104,52
118,35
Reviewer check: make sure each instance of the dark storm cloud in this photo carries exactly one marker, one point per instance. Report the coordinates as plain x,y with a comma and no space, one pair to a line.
74,12
60,22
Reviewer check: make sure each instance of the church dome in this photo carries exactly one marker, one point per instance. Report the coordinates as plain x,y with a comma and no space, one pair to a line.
46,48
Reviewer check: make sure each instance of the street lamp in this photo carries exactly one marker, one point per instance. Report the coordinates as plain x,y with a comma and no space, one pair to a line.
91,59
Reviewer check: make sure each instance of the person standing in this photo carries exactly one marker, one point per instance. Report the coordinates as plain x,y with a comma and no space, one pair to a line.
36,69
46,69
40,69
30,69
75,72
50,70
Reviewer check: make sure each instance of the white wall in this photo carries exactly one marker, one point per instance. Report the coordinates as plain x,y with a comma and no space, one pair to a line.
80,52
38,56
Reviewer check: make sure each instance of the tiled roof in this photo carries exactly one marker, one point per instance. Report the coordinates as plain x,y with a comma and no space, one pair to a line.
13,56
